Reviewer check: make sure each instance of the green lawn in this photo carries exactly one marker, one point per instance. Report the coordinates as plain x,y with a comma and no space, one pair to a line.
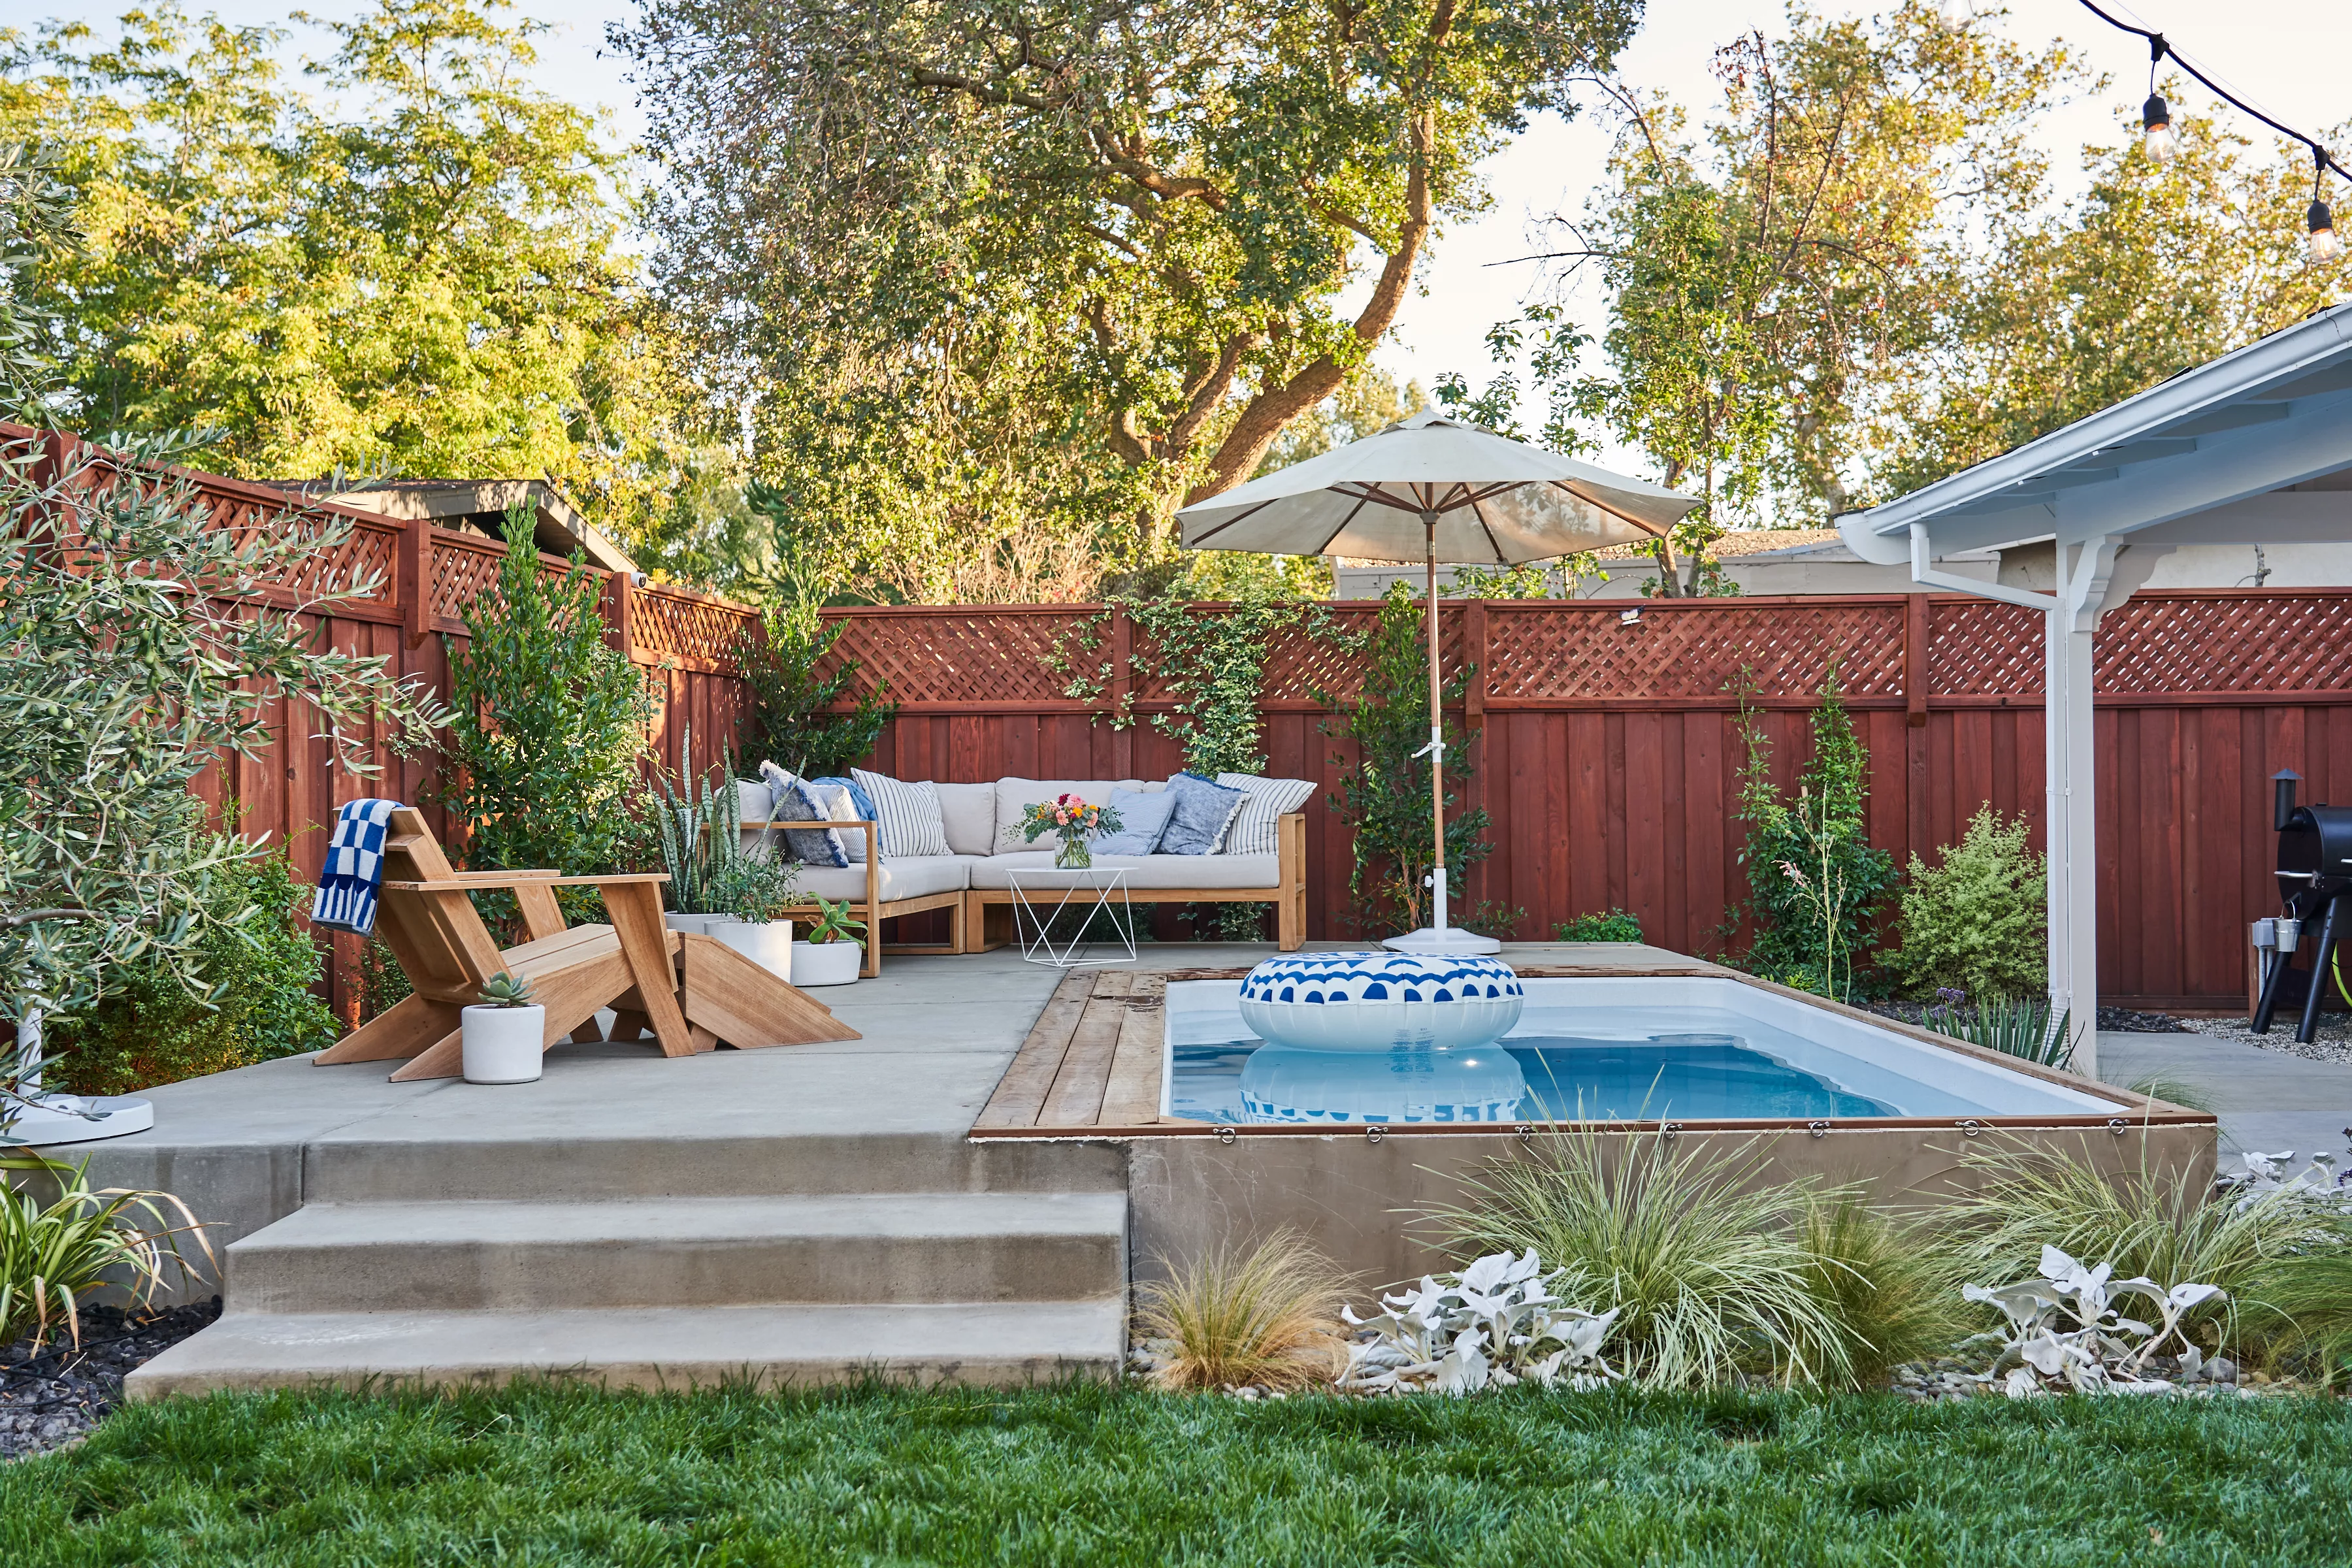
1052,1476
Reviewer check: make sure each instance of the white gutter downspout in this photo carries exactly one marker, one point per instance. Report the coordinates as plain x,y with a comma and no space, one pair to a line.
1928,576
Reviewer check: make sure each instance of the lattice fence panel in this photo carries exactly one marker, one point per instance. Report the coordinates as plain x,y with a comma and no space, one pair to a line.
460,571
2271,643
1980,649
974,655
1543,650
688,627
1302,662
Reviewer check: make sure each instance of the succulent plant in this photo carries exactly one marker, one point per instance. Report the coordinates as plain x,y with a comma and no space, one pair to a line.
504,990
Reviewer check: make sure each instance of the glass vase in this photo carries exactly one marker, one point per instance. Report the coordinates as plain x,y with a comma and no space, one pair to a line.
1072,856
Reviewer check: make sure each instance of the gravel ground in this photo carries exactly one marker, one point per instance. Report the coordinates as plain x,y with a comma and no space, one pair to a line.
2334,1042
52,1395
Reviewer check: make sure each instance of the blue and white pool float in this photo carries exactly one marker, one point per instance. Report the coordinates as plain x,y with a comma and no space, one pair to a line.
1379,1001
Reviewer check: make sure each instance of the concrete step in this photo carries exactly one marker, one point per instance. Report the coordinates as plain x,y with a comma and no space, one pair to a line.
943,1342
507,1256
545,1165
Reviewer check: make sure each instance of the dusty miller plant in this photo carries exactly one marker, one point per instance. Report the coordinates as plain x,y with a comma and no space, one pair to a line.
2066,1332
1493,1325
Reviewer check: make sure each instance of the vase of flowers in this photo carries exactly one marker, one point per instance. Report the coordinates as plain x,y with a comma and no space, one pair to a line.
1072,820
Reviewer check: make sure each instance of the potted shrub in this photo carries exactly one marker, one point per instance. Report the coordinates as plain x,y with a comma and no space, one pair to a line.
504,1034
832,954
755,892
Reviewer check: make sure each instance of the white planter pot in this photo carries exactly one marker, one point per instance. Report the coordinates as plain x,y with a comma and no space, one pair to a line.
768,944
827,963
503,1045
699,924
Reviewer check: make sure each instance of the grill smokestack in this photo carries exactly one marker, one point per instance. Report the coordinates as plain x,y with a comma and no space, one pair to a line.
2282,784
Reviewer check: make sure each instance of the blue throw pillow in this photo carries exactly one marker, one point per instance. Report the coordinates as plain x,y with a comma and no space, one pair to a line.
1203,810
1142,819
864,802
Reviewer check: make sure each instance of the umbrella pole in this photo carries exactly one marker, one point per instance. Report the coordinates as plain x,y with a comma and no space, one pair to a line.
1436,738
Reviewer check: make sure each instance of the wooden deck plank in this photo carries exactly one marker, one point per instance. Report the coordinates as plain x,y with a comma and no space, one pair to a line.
1077,1097
1132,1097
1021,1093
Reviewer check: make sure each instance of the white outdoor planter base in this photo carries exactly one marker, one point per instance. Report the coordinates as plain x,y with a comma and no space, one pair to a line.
827,963
770,945
503,1045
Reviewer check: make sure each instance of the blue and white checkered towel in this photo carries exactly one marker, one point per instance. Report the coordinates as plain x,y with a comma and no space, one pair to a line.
355,869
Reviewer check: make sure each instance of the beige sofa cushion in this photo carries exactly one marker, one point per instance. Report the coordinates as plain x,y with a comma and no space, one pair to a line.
1015,795
969,812
913,876
1143,872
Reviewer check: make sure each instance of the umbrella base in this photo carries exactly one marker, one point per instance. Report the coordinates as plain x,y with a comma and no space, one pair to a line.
1453,938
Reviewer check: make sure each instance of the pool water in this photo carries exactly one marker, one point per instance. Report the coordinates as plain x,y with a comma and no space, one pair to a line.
1595,1050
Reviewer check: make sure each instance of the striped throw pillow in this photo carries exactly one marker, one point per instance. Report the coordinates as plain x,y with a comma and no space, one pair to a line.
910,821
1258,830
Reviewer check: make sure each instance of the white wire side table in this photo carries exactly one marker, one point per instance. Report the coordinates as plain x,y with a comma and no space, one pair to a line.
1039,896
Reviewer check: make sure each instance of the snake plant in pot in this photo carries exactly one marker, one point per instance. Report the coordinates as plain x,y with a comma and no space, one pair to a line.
505,1033
834,949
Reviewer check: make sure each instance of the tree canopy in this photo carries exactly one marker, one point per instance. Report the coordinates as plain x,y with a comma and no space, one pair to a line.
1855,276
422,277
1003,277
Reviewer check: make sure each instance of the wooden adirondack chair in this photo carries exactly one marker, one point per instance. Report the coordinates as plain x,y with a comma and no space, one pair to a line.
693,992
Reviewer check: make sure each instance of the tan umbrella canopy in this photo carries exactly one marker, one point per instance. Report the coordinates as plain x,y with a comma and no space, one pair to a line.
1430,489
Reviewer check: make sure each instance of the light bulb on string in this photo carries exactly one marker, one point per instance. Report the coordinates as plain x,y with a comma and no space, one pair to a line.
1955,15
2324,246
2154,116
2156,130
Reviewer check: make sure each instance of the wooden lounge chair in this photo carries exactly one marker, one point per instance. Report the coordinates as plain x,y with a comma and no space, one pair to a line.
694,993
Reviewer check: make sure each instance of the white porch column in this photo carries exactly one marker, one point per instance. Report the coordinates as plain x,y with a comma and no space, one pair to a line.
2070,822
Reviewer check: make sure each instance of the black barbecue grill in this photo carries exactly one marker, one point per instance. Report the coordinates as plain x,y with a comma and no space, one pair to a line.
2314,876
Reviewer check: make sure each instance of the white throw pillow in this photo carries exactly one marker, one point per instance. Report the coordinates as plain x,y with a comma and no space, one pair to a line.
969,814
1257,830
907,813
1014,797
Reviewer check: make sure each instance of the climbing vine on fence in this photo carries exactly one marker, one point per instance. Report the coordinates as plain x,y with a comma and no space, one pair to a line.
1211,662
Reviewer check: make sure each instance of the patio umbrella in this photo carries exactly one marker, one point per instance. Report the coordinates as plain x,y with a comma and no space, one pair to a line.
1430,489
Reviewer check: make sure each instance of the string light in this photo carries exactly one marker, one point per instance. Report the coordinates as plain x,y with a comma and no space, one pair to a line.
2156,132
2155,118
2324,246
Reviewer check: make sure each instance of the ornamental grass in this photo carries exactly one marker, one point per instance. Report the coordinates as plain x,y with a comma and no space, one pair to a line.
1268,1317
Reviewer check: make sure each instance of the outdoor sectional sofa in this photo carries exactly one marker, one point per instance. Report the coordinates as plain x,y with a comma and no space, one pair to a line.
972,885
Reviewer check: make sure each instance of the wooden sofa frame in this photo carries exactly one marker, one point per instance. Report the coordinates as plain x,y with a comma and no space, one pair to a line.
980,929
972,929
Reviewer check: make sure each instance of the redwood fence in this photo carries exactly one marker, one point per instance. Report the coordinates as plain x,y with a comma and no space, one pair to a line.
1608,753
1607,750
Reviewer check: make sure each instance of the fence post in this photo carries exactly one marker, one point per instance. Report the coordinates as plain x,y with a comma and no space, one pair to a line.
1473,650
1915,660
1122,660
619,602
414,581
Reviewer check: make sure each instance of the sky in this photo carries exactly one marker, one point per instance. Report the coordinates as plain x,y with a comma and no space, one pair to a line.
2283,56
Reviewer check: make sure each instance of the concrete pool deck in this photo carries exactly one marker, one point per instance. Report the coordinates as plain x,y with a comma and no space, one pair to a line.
798,1214
2266,1099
